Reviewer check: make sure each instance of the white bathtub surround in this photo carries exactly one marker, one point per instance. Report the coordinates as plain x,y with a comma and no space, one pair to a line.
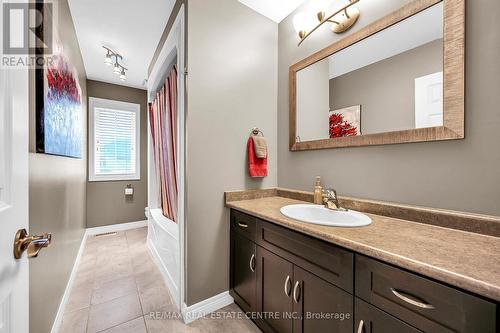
163,243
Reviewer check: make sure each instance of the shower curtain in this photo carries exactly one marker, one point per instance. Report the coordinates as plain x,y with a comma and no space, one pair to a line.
163,120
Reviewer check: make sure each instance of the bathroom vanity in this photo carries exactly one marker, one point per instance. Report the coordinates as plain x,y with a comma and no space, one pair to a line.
391,276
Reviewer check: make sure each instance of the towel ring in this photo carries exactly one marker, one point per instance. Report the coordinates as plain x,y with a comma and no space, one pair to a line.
256,131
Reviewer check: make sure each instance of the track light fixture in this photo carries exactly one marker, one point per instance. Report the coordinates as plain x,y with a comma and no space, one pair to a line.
118,68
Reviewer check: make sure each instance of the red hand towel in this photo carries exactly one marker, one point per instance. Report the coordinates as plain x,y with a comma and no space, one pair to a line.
257,167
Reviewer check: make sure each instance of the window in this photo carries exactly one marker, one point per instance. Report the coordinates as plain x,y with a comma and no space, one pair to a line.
114,140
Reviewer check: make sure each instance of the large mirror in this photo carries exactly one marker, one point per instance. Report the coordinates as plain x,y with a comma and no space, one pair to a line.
397,80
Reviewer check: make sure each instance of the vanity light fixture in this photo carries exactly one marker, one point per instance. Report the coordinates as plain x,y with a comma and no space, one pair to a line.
118,68
305,23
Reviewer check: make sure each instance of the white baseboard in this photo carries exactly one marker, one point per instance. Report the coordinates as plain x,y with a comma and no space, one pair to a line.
172,288
116,227
89,231
200,309
60,311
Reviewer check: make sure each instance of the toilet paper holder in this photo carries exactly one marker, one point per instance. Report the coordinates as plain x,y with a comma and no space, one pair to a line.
129,190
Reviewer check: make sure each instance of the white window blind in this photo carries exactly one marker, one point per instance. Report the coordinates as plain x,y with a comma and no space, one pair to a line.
115,147
115,142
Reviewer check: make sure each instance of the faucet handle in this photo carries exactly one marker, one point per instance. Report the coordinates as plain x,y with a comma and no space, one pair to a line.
330,198
329,193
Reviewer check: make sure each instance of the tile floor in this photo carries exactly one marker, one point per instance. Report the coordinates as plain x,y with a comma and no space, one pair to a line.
118,288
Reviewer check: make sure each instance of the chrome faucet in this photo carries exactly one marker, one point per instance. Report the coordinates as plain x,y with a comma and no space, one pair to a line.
329,198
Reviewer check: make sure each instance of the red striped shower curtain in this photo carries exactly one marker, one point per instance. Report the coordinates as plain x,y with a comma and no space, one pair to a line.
163,120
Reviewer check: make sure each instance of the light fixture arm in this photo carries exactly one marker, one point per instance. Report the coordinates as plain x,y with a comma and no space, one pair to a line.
113,53
329,19
116,55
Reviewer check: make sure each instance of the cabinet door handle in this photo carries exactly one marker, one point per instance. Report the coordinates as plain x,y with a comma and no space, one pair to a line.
252,263
288,286
242,225
361,327
296,292
411,299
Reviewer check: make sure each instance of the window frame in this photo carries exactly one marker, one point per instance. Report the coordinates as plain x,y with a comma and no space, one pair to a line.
119,105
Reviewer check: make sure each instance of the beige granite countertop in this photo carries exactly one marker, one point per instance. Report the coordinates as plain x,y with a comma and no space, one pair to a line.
469,261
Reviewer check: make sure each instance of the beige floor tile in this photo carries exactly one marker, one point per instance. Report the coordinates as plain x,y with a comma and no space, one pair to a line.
80,297
111,259
139,233
108,291
112,272
144,263
170,325
227,319
138,250
84,278
148,279
156,298
113,313
117,266
134,326
75,321
86,267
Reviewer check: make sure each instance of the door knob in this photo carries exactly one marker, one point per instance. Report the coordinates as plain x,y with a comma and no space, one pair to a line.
32,244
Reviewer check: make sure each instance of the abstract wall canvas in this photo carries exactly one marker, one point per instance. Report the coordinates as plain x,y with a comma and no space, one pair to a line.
59,109
345,122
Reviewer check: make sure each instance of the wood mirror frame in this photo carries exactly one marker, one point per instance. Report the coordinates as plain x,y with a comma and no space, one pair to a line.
453,77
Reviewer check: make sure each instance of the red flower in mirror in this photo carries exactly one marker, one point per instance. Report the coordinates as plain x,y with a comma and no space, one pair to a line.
339,127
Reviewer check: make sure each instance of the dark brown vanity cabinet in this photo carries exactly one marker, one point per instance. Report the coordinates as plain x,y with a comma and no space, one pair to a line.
294,283
425,304
274,292
296,279
295,300
243,257
322,306
243,274
369,319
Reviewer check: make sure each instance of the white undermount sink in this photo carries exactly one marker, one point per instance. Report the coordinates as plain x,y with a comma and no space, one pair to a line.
317,214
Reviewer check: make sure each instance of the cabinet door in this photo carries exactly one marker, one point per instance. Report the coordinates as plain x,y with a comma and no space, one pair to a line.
369,319
274,290
322,307
243,271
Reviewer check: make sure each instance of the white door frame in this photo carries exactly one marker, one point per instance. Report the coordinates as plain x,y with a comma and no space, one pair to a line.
174,47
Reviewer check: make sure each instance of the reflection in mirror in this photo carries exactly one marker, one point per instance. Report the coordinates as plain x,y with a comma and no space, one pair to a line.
390,81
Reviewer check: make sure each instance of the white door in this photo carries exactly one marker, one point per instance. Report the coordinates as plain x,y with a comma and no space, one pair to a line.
13,197
429,100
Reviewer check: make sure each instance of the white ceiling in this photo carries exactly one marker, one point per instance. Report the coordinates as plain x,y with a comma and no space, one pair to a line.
130,27
276,10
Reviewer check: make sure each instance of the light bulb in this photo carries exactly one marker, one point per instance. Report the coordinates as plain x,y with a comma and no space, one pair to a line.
116,69
108,61
122,75
300,23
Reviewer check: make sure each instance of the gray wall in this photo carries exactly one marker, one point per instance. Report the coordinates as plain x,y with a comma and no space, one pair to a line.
106,201
232,86
57,205
386,89
462,175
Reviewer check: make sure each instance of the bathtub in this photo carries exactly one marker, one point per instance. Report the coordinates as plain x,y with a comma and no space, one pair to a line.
163,243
